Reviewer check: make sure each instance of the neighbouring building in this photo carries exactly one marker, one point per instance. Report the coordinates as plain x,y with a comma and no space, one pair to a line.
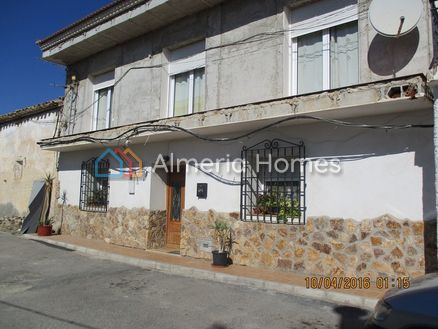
22,160
242,83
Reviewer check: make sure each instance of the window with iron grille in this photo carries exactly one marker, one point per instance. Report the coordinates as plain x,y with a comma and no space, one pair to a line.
94,188
273,182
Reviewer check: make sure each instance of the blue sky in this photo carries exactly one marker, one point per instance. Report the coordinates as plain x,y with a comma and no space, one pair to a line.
26,78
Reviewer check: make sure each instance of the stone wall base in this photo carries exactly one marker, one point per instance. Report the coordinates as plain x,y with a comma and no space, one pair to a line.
11,224
384,246
136,228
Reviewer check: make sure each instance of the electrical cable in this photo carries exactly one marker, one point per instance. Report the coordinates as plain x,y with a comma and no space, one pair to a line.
247,40
254,38
170,128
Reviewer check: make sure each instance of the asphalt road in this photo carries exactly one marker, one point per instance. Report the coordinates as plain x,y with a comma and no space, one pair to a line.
43,286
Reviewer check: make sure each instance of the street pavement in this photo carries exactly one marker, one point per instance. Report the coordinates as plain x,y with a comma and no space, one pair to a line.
44,286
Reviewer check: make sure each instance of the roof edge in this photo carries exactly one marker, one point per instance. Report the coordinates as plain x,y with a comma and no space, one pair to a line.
102,15
32,110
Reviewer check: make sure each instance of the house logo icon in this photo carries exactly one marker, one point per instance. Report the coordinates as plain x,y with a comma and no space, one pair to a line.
128,163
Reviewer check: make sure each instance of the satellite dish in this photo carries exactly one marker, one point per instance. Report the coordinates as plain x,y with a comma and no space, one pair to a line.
393,18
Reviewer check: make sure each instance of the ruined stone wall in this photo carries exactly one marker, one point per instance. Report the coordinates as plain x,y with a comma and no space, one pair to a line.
136,228
23,162
323,246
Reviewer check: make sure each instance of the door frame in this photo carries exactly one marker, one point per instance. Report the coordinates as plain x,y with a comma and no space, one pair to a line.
169,222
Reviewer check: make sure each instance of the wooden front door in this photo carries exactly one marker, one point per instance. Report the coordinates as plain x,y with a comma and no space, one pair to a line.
175,204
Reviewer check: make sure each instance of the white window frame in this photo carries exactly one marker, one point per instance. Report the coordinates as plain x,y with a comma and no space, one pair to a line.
315,24
189,65
109,84
191,91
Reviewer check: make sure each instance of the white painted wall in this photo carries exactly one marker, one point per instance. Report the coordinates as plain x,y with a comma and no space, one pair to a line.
382,171
223,189
146,194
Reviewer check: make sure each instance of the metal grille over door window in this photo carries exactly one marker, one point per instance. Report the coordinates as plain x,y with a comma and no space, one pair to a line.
273,182
94,186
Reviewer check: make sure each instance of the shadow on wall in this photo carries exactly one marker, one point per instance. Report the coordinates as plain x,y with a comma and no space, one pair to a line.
430,246
8,210
350,145
381,59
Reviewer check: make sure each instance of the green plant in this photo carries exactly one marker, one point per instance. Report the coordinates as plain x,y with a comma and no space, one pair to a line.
97,198
288,209
281,206
49,221
223,235
230,241
265,202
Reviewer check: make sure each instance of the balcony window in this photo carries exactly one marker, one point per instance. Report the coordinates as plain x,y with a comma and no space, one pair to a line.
103,94
188,92
324,47
344,55
187,80
328,59
103,108
310,64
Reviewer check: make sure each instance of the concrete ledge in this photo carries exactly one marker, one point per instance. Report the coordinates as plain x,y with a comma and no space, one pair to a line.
341,103
329,296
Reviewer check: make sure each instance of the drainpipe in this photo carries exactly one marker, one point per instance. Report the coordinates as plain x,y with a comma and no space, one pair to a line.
434,88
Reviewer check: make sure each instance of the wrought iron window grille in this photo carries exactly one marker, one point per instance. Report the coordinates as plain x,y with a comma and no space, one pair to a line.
94,190
273,182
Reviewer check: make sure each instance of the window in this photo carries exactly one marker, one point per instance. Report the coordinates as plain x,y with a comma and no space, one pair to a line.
273,182
188,92
103,94
187,80
309,66
324,49
94,188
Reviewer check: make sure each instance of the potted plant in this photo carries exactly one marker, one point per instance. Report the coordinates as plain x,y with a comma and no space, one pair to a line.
282,207
266,204
224,237
45,227
288,209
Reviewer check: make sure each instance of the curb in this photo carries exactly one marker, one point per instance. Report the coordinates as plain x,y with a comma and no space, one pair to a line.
328,296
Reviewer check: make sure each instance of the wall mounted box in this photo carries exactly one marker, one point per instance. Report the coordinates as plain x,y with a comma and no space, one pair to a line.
201,190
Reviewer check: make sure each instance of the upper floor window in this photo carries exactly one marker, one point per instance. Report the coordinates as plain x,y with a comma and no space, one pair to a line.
103,94
187,79
324,48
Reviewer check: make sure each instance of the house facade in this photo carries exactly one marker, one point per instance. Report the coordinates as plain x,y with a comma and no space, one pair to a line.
295,121
22,160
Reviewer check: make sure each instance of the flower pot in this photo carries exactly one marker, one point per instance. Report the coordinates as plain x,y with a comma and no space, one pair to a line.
220,258
44,230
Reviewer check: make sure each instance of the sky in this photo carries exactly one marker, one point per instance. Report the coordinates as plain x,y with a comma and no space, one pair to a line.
26,79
